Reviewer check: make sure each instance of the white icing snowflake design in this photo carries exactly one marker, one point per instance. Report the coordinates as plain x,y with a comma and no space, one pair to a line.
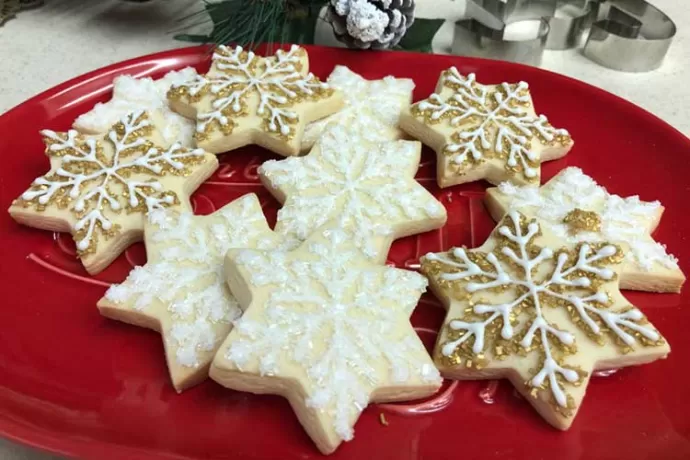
236,74
95,186
491,123
185,272
345,324
366,187
535,280
371,106
623,220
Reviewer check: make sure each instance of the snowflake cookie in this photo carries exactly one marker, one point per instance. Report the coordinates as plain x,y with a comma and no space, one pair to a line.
577,209
540,311
374,105
247,99
100,188
484,131
133,94
367,187
181,291
326,329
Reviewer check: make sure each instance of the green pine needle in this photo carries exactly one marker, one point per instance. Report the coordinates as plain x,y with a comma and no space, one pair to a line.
249,23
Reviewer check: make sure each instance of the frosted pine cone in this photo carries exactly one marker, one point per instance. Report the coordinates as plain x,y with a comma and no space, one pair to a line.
375,24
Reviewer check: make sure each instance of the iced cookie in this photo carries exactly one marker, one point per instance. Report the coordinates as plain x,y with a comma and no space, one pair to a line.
374,105
133,94
577,209
540,311
366,187
247,99
100,188
484,131
327,330
181,291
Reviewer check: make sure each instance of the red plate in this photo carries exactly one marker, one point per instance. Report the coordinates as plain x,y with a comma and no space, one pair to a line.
75,383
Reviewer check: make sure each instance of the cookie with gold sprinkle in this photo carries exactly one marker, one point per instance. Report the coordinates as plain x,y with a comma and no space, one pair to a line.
100,188
540,311
248,99
577,209
481,131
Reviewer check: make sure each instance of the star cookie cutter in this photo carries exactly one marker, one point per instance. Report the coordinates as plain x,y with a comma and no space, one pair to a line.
488,31
629,35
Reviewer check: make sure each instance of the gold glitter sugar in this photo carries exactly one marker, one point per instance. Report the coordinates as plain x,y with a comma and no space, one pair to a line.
478,115
240,79
94,180
582,221
452,274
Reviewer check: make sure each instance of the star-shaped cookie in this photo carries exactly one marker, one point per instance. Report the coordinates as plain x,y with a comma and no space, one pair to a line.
326,329
540,311
484,131
133,94
100,188
247,99
374,105
577,209
181,291
367,187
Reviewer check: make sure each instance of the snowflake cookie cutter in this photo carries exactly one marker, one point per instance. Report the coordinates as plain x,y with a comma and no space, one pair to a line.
625,35
486,32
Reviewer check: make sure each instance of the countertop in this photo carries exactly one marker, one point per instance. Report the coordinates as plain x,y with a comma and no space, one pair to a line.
66,38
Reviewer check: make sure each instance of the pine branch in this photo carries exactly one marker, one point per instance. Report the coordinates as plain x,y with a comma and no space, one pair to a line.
249,23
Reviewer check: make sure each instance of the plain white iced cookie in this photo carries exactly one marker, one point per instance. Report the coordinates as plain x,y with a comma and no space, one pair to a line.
375,105
326,329
131,94
181,290
367,187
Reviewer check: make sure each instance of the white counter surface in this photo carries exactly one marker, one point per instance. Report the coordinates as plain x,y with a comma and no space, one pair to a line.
65,38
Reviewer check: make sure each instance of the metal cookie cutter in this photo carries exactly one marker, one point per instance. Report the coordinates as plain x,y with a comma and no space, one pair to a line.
629,35
519,30
568,23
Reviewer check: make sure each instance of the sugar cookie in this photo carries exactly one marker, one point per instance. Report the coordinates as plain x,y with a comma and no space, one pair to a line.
100,188
368,188
484,131
327,330
133,94
544,313
181,291
247,99
373,105
577,209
